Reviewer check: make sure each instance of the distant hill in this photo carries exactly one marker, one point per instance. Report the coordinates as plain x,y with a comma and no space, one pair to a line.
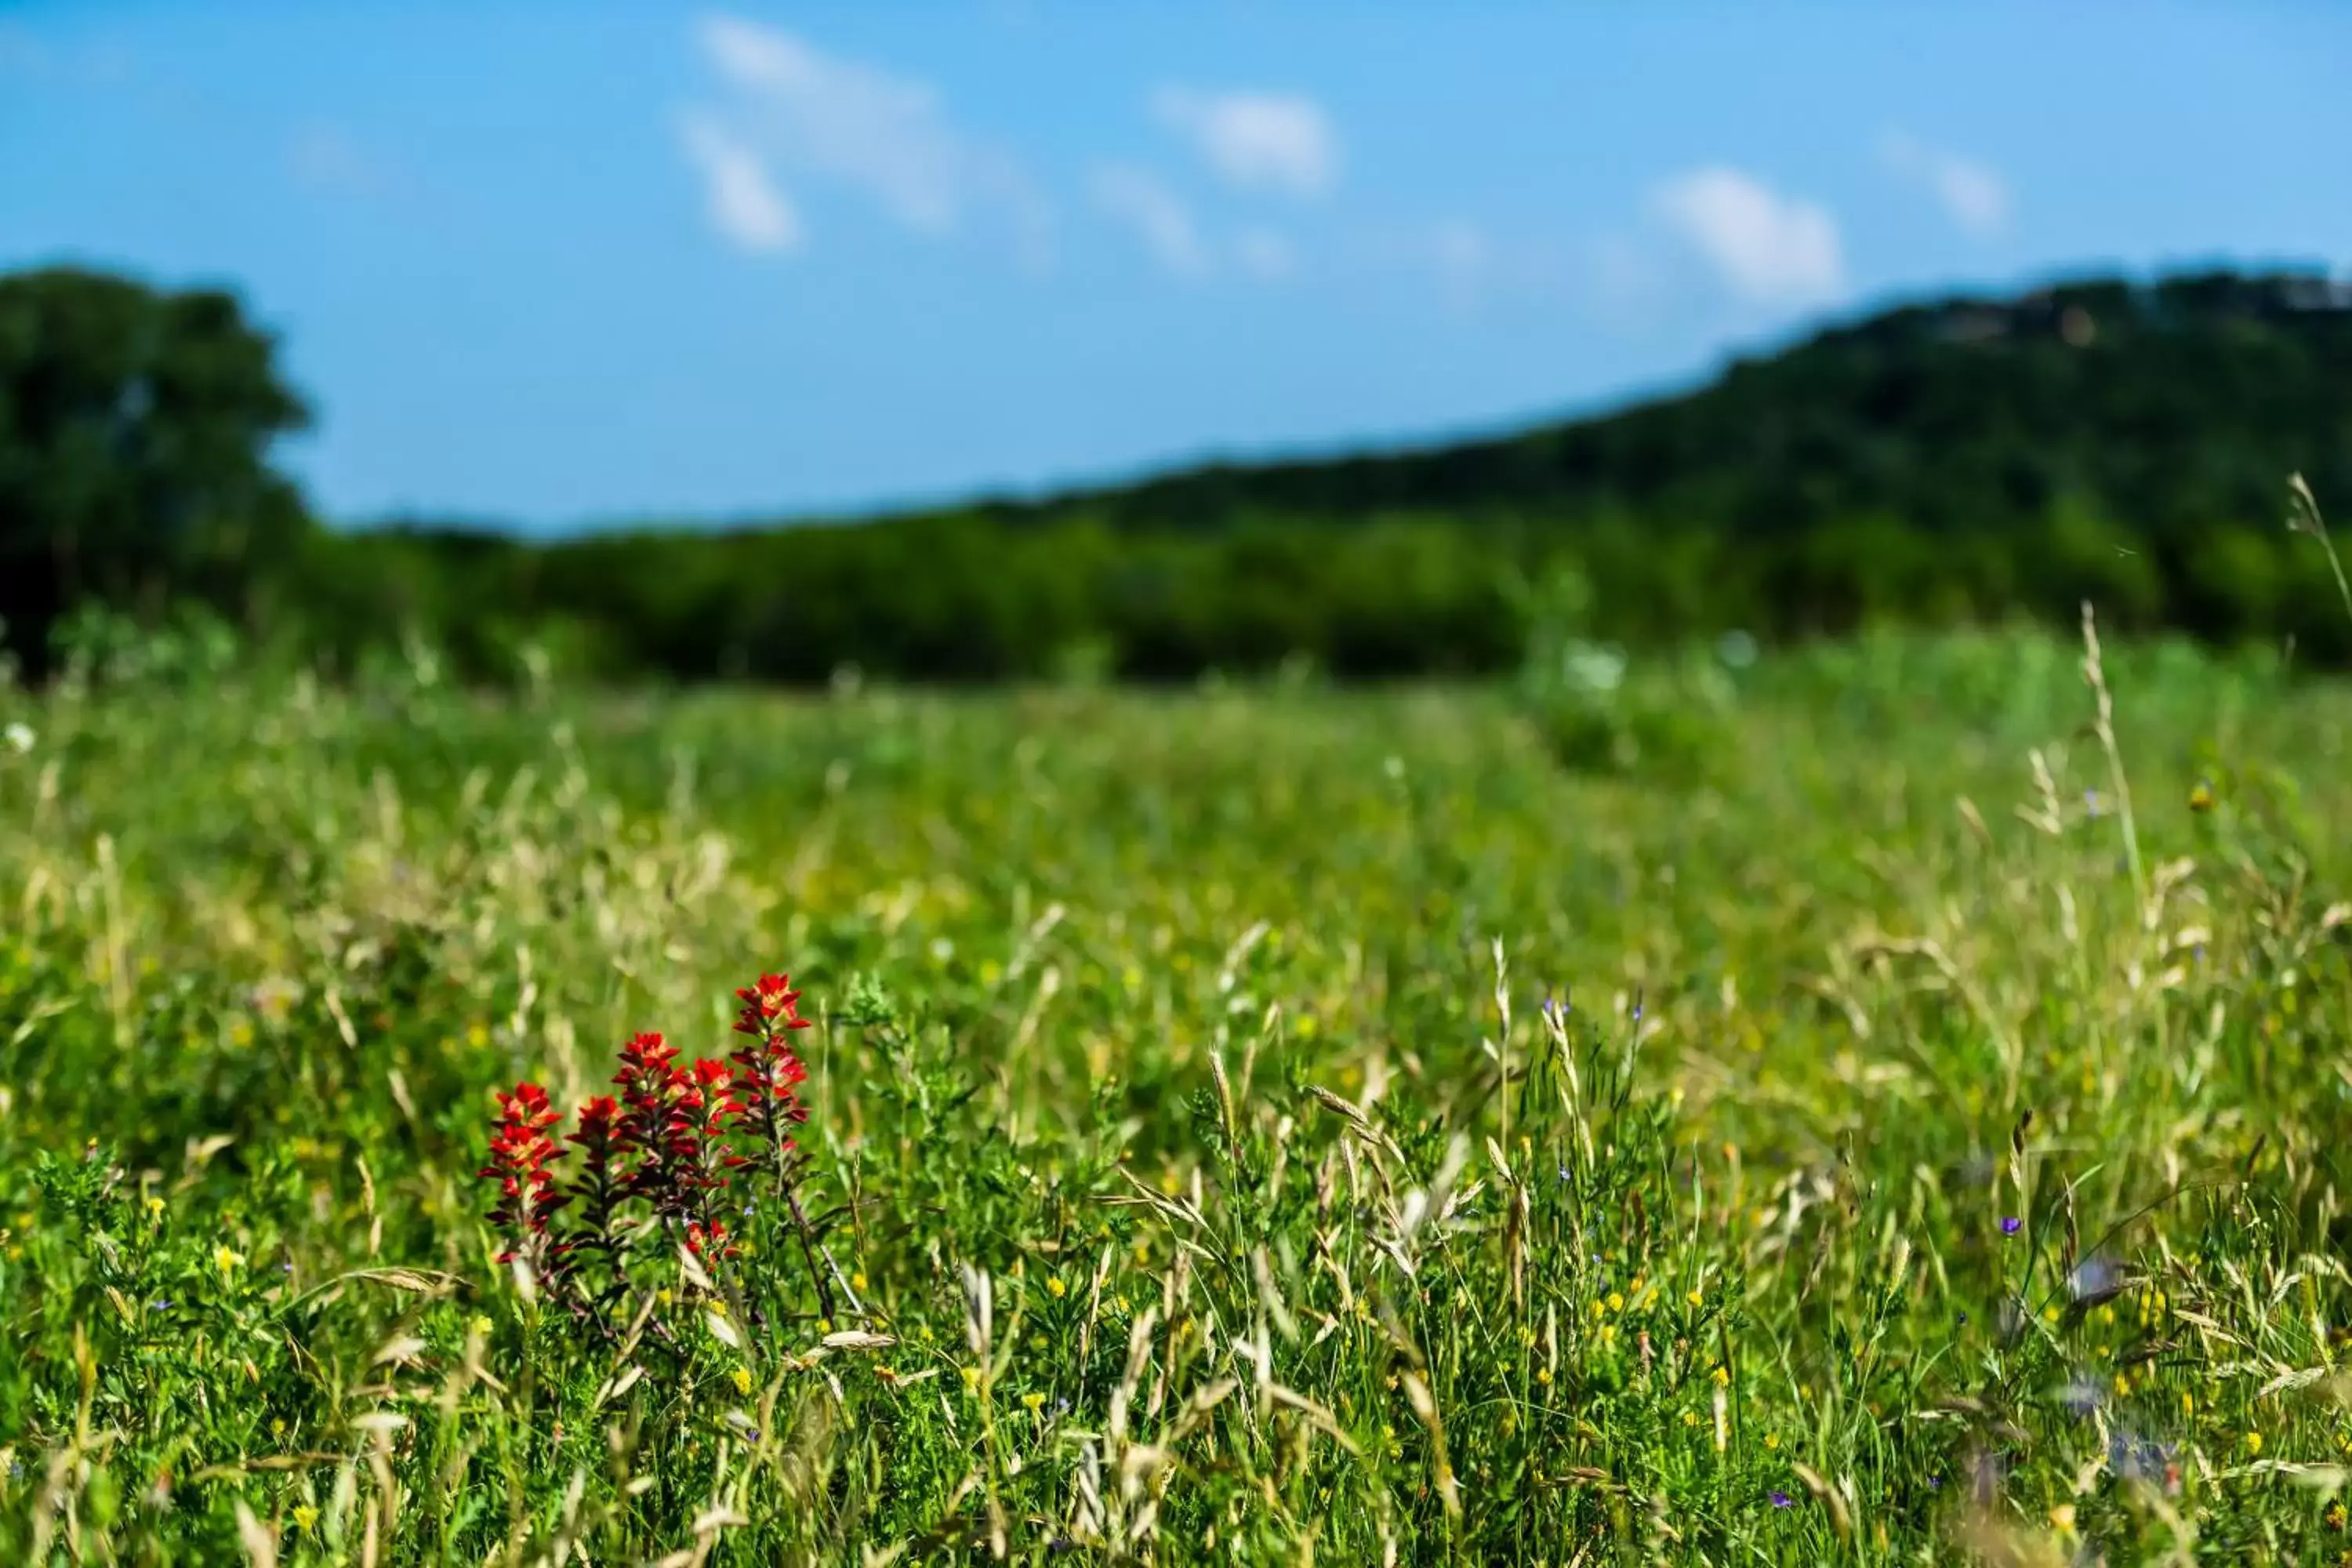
2169,405
1964,460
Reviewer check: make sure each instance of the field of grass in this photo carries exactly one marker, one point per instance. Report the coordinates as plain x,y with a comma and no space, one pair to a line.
1274,1125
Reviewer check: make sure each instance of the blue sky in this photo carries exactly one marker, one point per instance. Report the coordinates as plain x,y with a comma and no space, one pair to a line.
560,265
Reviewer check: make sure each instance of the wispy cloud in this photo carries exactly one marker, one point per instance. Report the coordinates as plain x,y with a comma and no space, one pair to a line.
1158,216
1265,254
742,199
1165,225
799,114
1972,193
1278,141
1768,249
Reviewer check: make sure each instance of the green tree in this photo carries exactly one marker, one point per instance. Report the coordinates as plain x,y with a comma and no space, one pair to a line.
135,427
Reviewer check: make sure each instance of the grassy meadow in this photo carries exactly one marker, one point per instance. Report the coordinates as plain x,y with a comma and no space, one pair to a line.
1877,1114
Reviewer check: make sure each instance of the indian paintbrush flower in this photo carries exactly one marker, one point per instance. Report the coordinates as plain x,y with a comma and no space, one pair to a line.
529,1195
667,1139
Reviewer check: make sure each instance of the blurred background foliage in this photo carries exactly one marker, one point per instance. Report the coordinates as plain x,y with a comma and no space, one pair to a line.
1961,462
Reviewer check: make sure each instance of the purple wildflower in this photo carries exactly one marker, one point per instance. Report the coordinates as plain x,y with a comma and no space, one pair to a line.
1782,1499
2011,1225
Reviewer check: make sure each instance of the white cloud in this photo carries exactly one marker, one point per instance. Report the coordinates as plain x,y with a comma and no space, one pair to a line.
1973,194
1159,216
1256,141
1769,248
743,201
803,113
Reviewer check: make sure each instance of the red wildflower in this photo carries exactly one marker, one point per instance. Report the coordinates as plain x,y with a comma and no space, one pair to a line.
520,1152
595,1132
645,1059
673,1124
769,1006
768,1071
700,1236
666,1136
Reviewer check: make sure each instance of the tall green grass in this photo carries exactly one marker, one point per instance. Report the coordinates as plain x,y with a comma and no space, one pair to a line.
1269,1125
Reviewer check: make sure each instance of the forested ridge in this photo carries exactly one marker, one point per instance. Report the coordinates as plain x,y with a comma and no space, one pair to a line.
1958,459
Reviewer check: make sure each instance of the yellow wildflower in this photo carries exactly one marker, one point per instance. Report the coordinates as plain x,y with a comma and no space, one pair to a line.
305,1516
1055,1288
743,1377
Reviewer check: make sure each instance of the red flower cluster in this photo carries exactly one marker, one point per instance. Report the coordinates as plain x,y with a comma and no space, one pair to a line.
674,1121
769,1071
520,1151
770,1007
713,1235
667,1138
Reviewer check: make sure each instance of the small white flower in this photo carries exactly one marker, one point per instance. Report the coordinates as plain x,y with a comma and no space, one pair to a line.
20,736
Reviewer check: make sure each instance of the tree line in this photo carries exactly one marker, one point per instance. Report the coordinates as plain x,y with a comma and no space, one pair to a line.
1963,460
